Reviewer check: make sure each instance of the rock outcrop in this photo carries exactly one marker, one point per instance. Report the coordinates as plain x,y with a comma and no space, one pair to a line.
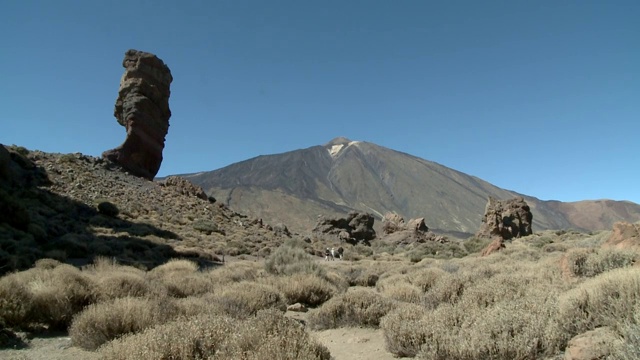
142,108
592,345
397,231
359,226
184,187
506,219
624,235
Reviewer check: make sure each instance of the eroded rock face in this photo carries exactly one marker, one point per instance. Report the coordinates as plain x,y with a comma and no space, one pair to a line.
358,226
506,219
142,108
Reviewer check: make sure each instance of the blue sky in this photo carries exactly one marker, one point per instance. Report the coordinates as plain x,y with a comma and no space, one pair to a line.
540,97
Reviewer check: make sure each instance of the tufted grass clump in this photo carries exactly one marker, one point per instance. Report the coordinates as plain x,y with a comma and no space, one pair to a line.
102,322
267,335
246,298
609,299
591,262
358,307
287,260
308,289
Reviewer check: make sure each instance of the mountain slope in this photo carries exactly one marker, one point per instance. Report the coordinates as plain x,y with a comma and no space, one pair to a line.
343,175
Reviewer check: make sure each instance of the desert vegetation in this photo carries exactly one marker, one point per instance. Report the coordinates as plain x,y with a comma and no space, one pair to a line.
525,302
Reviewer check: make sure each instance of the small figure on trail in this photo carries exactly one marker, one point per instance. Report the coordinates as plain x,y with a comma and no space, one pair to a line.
340,252
327,254
333,254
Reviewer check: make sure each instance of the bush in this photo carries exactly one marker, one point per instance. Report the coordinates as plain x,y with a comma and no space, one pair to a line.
108,209
15,301
609,299
182,278
269,335
103,322
308,289
247,298
59,294
475,245
205,226
403,330
359,307
591,262
120,284
291,260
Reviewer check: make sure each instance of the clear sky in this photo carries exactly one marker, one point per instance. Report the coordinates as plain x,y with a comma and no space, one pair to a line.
540,97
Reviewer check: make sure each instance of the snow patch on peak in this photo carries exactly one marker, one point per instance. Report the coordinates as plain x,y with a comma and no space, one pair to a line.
335,149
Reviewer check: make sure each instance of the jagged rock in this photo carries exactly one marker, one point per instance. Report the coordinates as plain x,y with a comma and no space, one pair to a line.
392,222
185,187
506,219
142,108
624,235
359,226
362,226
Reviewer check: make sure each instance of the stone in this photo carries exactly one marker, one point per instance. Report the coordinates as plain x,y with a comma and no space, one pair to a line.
297,307
358,226
592,345
142,108
624,235
506,219
184,187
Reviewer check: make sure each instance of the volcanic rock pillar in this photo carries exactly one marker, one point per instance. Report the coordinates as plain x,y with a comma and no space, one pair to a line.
142,108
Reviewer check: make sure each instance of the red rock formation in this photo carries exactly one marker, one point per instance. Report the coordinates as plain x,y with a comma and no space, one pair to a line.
624,235
142,108
506,219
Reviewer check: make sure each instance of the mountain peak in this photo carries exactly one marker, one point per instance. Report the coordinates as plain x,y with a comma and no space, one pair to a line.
334,146
340,140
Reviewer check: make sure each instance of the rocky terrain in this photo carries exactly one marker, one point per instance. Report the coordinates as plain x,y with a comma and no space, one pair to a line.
343,176
73,207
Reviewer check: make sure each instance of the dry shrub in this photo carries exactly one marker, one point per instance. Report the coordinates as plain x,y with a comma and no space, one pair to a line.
608,299
591,262
118,284
629,349
308,289
359,307
236,272
287,260
46,296
520,329
103,322
268,335
245,299
199,305
447,288
403,330
15,301
182,278
402,291
46,264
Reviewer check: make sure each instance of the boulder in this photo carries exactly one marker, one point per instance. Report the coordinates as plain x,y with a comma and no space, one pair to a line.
142,108
506,219
624,235
592,345
391,223
357,226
